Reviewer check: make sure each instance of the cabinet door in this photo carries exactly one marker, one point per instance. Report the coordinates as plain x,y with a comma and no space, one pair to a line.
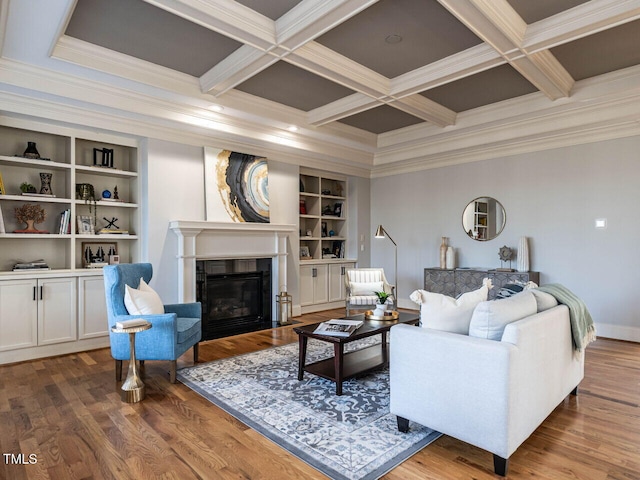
92,308
56,310
18,314
306,285
337,289
321,284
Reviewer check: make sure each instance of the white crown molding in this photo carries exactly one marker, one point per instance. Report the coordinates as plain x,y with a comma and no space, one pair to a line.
578,22
227,17
310,19
4,17
241,65
426,109
344,107
546,73
502,15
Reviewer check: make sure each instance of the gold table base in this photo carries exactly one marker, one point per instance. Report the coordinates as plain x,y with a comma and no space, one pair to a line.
133,389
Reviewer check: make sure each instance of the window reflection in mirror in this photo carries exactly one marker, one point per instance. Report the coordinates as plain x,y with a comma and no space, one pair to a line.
483,219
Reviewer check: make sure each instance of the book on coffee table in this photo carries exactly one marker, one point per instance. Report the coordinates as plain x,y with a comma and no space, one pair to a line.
338,327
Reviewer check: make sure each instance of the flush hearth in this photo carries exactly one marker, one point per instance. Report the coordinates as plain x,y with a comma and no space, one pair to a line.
235,296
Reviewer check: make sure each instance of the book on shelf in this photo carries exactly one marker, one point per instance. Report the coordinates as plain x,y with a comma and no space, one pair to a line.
34,265
338,327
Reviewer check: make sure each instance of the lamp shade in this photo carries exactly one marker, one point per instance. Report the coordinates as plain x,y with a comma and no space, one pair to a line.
380,233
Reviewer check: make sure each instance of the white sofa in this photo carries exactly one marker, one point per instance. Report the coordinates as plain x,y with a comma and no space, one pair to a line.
491,394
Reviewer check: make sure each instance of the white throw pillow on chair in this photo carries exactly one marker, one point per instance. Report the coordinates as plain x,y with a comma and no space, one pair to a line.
366,288
142,301
449,314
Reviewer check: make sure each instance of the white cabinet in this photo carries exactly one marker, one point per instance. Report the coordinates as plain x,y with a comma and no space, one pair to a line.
56,298
18,314
36,312
337,287
322,285
92,308
313,284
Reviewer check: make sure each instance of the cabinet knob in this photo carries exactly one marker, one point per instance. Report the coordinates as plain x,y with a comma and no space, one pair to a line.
314,272
34,294
343,270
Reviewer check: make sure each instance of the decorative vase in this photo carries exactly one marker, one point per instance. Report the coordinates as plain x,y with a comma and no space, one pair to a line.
379,310
45,183
31,151
443,253
450,259
523,255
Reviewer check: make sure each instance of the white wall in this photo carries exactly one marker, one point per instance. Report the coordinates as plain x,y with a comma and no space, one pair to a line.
553,197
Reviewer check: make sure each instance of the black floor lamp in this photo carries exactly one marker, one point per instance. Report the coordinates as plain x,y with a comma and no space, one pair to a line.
382,233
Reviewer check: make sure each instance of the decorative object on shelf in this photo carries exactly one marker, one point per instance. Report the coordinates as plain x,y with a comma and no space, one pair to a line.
284,307
339,189
304,252
2,191
31,151
86,192
85,225
98,254
337,209
443,253
327,211
505,254
112,227
107,157
2,229
323,229
382,233
303,207
106,194
309,233
450,258
326,192
236,186
45,183
523,254
30,214
332,233
115,193
301,186
27,188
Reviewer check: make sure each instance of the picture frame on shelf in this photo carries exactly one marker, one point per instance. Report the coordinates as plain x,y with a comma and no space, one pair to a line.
85,225
99,254
304,252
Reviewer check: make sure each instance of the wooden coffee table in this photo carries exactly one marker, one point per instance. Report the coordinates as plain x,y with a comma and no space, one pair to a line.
347,365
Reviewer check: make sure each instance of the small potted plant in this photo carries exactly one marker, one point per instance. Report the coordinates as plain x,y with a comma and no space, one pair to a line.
27,188
382,301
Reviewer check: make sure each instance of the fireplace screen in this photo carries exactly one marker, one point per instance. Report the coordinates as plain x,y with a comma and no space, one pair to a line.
235,302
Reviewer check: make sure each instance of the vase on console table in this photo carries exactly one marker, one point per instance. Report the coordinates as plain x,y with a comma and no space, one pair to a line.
450,258
443,253
523,255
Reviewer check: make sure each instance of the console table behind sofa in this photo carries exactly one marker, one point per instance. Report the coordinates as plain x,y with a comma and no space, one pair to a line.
462,280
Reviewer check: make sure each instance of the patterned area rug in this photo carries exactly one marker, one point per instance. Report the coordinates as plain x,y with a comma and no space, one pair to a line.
352,436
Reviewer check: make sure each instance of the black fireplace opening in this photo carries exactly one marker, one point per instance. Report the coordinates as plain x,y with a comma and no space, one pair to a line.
235,296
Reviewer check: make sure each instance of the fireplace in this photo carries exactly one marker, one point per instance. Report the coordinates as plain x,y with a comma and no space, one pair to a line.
235,296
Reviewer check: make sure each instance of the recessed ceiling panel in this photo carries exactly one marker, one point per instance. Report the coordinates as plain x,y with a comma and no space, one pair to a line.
138,29
381,119
427,31
603,52
490,86
533,10
294,87
272,9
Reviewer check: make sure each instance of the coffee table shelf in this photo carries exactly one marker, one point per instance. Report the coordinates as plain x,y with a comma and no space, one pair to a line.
353,363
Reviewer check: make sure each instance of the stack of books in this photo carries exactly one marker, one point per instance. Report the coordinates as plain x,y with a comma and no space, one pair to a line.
35,265
338,327
65,226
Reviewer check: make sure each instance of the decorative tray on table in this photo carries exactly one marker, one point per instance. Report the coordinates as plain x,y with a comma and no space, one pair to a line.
389,315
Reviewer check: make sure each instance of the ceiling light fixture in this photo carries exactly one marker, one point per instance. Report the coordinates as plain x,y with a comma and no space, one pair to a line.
292,128
217,108
394,38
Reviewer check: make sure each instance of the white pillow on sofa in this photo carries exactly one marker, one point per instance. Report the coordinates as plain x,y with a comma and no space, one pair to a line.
142,301
366,288
490,318
449,314
544,300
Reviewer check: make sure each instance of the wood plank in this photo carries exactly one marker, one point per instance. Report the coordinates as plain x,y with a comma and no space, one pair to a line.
67,411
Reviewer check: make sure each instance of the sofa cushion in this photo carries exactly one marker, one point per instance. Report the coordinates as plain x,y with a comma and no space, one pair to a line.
544,300
490,318
366,288
448,314
142,301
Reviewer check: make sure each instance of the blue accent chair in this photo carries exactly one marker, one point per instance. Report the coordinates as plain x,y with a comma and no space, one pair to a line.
172,334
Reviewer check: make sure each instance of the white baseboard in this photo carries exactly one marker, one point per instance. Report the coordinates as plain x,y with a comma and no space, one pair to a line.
618,332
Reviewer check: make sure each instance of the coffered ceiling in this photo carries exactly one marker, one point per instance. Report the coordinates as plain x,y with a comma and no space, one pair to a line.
376,72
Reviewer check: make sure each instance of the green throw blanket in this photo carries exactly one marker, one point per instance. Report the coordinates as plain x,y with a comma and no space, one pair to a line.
583,330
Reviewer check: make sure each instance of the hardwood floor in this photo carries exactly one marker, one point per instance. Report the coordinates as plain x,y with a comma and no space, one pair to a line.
66,413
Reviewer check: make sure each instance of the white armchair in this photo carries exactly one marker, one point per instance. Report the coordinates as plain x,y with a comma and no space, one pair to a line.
362,283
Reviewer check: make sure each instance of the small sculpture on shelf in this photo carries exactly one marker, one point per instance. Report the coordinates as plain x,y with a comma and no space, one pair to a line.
45,184
505,254
31,151
30,214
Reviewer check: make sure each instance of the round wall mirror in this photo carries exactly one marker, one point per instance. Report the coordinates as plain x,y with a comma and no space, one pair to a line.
483,219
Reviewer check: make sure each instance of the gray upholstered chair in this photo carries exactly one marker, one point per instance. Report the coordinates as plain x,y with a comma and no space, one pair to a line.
172,333
362,283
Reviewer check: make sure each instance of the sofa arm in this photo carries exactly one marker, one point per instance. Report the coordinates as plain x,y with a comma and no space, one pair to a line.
452,383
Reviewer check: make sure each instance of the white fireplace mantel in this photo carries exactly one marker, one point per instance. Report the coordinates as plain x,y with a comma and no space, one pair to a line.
198,240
